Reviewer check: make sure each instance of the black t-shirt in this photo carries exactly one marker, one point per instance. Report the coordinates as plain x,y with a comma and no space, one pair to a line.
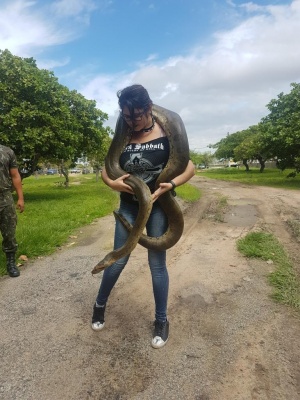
145,160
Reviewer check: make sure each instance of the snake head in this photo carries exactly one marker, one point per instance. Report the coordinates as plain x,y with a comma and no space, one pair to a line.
100,267
106,262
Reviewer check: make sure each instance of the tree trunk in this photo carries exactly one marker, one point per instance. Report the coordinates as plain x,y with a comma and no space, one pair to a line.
262,164
245,163
65,173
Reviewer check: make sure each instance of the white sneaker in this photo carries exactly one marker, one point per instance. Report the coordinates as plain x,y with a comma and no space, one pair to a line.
98,318
97,326
161,334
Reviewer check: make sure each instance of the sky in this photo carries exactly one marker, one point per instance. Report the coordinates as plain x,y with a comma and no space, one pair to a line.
217,63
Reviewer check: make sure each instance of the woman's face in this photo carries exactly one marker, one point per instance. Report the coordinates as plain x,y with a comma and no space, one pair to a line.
139,120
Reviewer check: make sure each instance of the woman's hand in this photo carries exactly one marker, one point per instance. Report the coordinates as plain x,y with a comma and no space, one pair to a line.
120,186
178,180
163,188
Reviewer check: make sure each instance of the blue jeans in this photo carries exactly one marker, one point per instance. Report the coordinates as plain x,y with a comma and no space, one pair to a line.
157,225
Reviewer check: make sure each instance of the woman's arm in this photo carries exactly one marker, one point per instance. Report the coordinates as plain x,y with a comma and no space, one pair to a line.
118,184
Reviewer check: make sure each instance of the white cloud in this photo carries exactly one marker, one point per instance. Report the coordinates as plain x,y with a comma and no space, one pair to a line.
226,87
251,7
152,57
28,27
217,89
50,64
231,3
73,7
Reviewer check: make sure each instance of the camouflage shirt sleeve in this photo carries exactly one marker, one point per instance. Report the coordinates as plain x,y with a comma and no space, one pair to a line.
8,161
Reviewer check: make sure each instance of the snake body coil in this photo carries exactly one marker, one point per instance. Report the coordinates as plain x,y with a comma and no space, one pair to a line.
174,128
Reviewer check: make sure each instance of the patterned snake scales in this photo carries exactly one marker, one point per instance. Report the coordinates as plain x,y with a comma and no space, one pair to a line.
173,126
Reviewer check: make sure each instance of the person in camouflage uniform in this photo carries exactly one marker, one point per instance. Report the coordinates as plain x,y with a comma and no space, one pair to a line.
9,179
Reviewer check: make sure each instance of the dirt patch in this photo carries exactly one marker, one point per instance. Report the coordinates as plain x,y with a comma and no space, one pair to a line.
228,339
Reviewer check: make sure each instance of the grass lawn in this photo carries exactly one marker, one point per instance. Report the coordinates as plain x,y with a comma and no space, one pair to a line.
52,212
284,280
270,177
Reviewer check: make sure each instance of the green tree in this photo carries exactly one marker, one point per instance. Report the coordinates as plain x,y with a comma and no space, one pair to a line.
253,147
276,136
201,158
42,119
98,155
281,128
225,147
195,157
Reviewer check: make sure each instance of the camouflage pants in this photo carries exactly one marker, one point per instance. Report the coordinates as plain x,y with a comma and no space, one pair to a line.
8,222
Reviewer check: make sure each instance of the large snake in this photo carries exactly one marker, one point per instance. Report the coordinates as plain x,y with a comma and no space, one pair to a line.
174,128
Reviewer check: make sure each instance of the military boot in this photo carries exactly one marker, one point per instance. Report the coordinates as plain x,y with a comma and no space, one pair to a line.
11,267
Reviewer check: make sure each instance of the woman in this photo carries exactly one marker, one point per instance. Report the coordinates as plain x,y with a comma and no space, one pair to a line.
146,155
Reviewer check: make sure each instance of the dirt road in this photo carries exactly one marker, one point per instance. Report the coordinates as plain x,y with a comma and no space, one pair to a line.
228,339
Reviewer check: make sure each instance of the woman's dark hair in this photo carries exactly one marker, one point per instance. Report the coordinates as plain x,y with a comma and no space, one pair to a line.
135,96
